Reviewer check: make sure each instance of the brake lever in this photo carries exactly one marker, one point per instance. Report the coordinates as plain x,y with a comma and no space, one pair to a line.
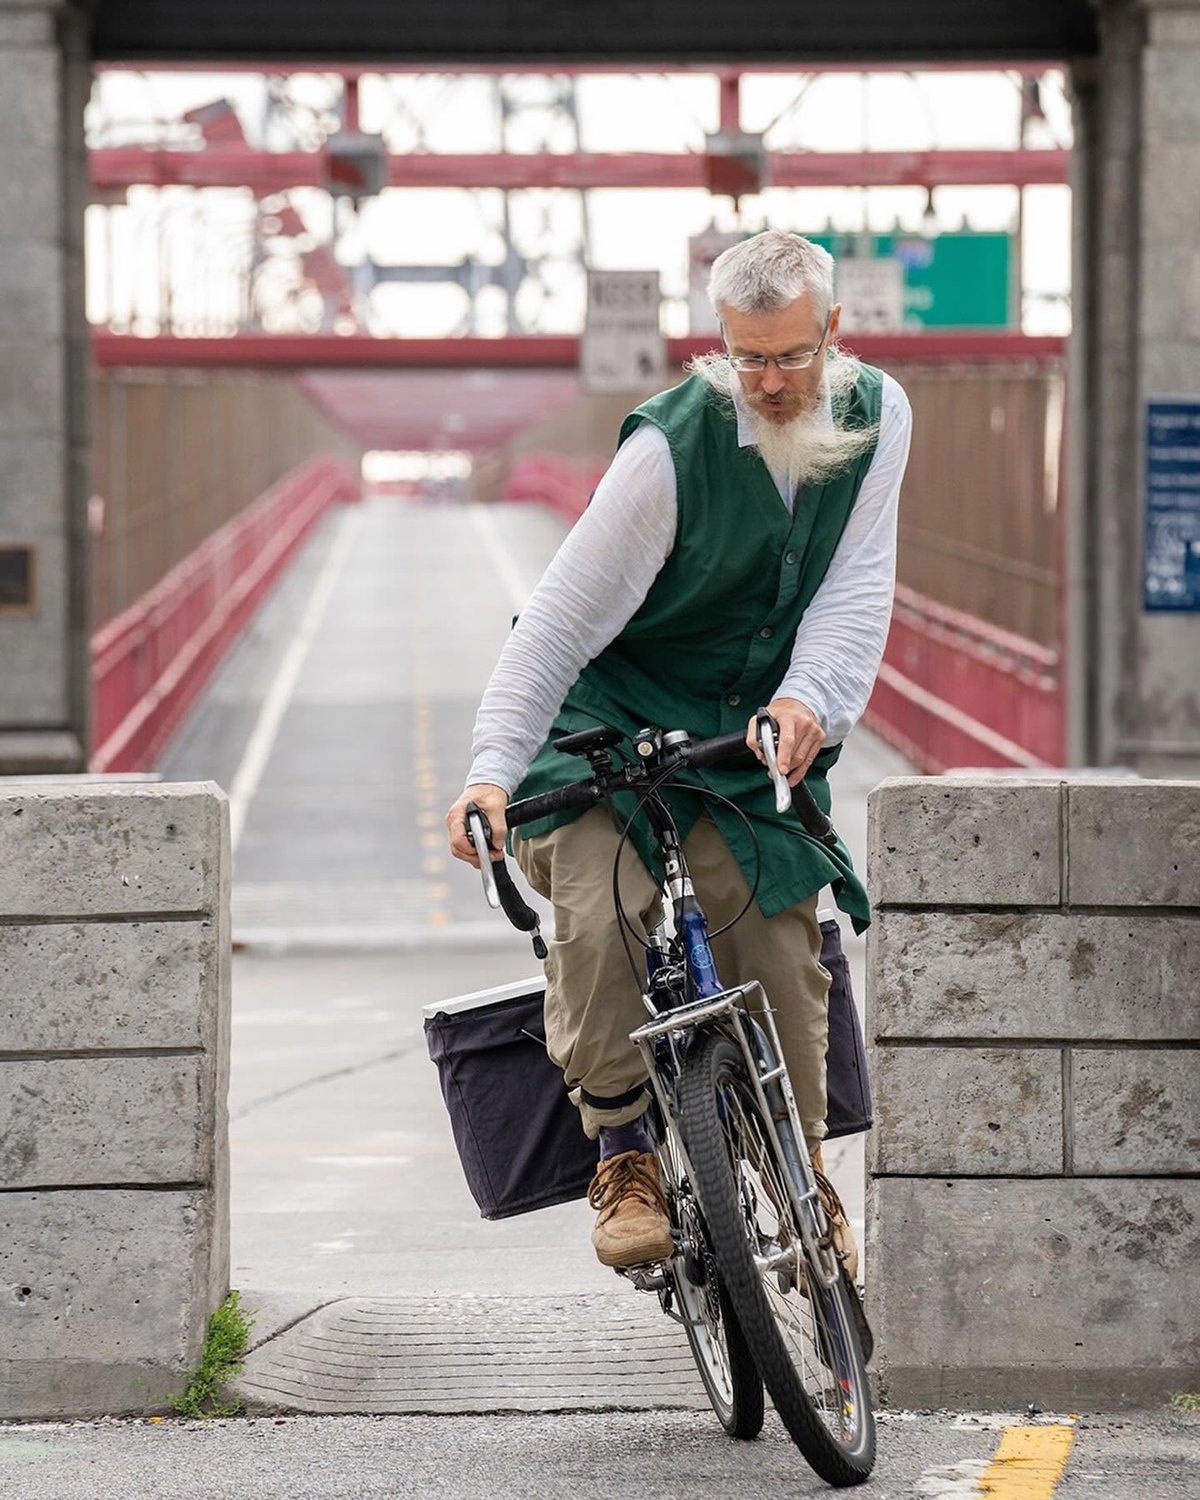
479,830
498,884
766,729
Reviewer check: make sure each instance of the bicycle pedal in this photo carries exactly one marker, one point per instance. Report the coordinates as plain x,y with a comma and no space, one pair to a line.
646,1278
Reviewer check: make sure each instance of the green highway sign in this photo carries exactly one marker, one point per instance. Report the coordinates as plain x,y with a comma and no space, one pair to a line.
957,280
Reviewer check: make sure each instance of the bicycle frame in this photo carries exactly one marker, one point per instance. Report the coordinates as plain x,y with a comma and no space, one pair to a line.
755,1034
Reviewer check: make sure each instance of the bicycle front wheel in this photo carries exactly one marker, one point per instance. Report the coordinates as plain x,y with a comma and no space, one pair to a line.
723,1359
802,1335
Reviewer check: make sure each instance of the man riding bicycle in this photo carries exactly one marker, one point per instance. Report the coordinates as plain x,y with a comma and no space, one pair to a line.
738,552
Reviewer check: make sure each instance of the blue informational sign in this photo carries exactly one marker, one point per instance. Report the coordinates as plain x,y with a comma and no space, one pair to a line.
1172,556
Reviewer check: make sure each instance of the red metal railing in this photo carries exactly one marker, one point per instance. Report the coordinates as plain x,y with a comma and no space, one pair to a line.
150,662
955,691
549,480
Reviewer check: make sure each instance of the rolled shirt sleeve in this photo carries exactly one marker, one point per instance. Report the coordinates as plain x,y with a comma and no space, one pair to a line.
840,640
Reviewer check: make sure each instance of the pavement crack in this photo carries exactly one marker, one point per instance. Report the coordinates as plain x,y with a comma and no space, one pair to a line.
315,1082
287,1327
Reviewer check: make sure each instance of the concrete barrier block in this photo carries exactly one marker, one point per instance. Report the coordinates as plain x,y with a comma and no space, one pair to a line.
74,851
102,1297
1066,1293
1067,975
118,985
74,1122
1133,843
995,1111
1135,1110
964,841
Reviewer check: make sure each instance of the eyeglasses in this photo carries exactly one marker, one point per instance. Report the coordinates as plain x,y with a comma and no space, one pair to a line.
755,364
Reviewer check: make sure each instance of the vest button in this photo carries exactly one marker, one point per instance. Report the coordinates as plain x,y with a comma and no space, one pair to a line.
790,559
734,699
766,632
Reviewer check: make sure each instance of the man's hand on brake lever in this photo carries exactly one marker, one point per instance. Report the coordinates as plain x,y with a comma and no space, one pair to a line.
492,800
800,737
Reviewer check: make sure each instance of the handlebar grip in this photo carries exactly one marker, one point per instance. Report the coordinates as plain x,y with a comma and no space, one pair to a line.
562,799
516,908
724,747
814,820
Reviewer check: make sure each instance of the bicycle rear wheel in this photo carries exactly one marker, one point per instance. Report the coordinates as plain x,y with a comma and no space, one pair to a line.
803,1336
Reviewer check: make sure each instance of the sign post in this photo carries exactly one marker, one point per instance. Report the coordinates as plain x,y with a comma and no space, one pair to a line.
622,347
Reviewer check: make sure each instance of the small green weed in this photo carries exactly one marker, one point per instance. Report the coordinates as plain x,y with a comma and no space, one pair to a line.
1186,1400
221,1358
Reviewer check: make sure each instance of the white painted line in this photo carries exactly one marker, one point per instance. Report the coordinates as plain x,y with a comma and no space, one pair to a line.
952,1481
500,556
283,685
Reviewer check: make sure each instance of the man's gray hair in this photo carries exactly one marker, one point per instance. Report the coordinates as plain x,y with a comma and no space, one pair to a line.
769,271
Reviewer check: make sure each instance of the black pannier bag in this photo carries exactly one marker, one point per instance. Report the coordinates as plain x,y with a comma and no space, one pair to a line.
516,1131
847,1086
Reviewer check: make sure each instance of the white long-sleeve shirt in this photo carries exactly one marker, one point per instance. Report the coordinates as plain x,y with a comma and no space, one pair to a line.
604,569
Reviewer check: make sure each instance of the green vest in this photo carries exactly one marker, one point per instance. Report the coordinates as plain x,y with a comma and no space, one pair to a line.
713,638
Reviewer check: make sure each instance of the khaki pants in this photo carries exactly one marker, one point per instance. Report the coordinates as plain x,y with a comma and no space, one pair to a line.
593,999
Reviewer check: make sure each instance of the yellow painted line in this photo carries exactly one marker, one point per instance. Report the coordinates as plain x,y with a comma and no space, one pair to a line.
1028,1463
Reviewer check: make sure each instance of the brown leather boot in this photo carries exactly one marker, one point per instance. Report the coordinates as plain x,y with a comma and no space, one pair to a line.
633,1226
839,1225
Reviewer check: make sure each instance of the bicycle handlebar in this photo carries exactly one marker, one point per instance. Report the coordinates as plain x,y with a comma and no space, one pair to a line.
696,753
498,883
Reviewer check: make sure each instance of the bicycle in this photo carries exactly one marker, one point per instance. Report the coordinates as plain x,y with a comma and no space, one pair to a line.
753,1276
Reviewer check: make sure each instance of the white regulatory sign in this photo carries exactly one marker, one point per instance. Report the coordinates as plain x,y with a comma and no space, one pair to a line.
871,291
622,348
703,249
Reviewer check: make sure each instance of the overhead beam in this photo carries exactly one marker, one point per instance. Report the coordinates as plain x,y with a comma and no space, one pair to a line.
541,32
266,172
519,351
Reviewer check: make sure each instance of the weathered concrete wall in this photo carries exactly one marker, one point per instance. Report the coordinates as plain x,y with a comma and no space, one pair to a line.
114,1047
44,80
1136,338
1033,1207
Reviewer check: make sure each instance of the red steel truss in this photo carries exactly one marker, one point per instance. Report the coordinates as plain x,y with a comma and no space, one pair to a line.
517,351
268,172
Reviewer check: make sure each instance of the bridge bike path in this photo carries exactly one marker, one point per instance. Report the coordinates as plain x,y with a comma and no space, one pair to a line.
340,725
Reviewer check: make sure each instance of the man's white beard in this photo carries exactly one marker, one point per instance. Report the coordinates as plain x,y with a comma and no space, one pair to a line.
810,447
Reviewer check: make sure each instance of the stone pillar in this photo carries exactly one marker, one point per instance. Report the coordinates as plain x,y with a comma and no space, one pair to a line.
44,462
114,1057
1135,684
1033,1208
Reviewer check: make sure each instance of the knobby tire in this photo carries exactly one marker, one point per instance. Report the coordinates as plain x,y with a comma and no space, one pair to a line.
714,1089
